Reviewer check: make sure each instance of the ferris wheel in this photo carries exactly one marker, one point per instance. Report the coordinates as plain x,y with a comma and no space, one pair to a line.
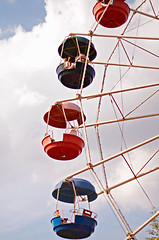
115,125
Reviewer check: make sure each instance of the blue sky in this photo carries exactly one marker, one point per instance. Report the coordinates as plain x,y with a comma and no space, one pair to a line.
20,12
30,33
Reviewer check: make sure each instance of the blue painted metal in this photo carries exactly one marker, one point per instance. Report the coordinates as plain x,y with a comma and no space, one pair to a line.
85,220
69,48
66,191
82,227
56,221
72,78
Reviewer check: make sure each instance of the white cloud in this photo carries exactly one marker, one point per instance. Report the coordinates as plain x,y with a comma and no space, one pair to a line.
27,97
7,31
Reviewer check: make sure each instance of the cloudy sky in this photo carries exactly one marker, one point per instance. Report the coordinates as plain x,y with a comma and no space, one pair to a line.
30,33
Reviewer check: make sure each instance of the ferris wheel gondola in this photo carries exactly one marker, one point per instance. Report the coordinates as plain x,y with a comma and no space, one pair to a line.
111,14
83,222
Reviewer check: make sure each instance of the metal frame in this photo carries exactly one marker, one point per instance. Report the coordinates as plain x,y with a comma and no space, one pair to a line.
79,97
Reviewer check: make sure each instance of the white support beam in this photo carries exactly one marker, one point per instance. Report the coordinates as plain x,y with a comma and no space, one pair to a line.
142,226
78,96
129,180
144,14
115,36
119,120
127,65
90,166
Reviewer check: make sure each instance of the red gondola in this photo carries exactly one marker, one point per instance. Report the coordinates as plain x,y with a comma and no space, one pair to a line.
57,114
116,14
69,148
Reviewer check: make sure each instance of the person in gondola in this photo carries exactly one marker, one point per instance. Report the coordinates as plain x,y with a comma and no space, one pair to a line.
68,64
80,58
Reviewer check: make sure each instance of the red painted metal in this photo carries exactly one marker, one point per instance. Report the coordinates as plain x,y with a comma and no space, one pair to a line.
69,148
57,118
116,14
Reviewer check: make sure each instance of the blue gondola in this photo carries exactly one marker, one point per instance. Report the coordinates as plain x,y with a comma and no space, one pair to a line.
71,77
65,190
73,46
82,227
83,223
